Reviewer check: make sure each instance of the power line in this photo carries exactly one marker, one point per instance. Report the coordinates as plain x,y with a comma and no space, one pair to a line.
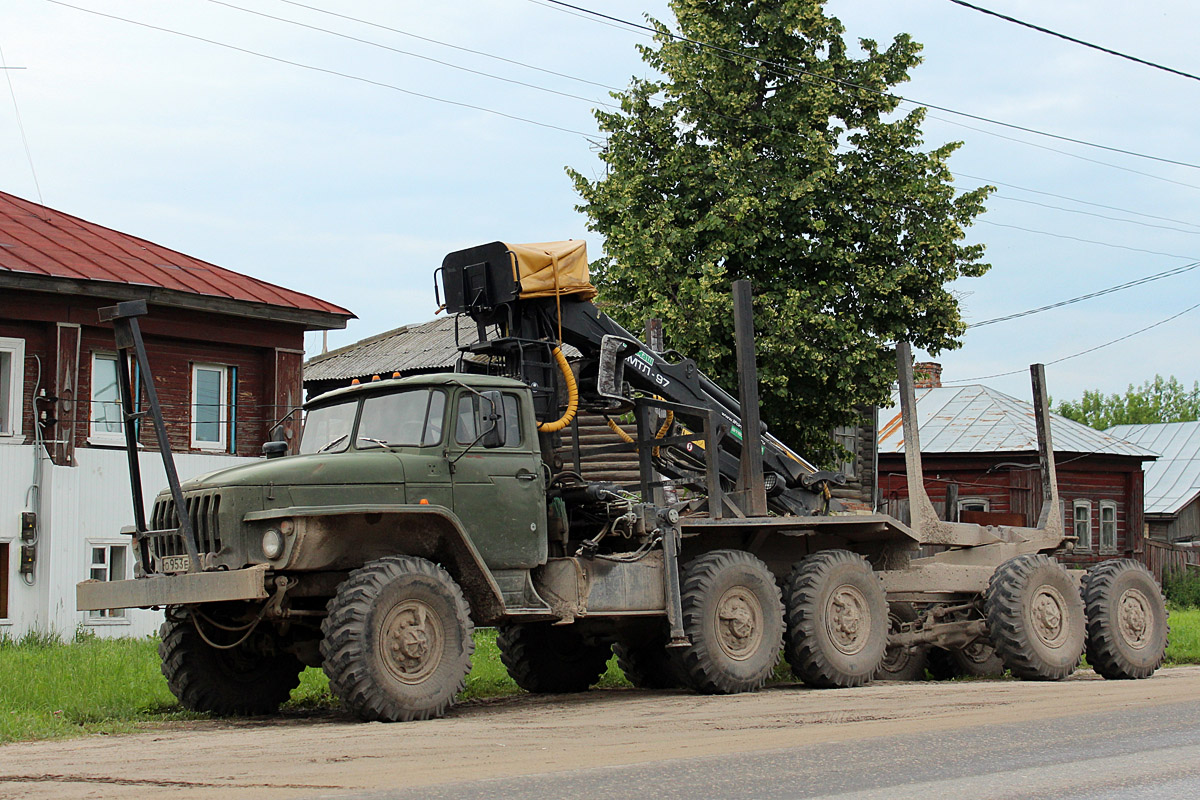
1094,214
482,73
1110,290
1081,352
1085,241
20,124
1064,152
460,48
1063,36
325,71
1074,199
781,68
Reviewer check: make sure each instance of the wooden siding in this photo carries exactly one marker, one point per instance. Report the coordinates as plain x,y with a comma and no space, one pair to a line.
1010,487
176,339
1162,557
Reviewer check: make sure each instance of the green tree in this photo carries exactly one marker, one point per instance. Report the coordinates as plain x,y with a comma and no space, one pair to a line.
780,157
1159,400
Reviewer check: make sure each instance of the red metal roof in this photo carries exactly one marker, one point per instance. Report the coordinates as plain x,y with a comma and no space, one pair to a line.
41,241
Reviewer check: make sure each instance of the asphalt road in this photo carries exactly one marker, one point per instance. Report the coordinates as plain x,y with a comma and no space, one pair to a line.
1081,738
1139,753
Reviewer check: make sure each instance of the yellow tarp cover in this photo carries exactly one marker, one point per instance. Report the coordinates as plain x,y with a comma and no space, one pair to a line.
549,268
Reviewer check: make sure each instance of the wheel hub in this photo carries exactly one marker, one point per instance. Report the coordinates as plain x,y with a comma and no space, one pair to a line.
1048,612
848,619
1133,618
739,623
411,641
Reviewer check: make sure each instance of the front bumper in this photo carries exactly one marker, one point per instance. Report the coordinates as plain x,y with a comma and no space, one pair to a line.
174,590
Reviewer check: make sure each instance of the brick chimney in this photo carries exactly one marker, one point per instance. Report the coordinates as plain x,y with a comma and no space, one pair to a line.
927,375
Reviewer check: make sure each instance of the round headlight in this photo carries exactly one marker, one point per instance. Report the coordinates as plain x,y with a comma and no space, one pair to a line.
272,544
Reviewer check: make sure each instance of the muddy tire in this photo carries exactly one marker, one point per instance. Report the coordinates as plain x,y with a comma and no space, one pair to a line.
837,617
1035,617
551,659
733,615
1126,620
397,640
977,660
902,663
251,679
646,662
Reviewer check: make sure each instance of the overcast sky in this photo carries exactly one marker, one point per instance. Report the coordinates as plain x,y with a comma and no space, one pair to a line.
354,191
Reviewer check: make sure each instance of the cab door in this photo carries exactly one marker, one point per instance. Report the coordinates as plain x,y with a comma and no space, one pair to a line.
499,493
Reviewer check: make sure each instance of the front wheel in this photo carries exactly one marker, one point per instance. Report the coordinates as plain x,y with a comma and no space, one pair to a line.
838,621
397,640
902,663
223,675
1126,620
1035,617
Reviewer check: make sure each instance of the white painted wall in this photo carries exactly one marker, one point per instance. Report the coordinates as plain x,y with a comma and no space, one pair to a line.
81,505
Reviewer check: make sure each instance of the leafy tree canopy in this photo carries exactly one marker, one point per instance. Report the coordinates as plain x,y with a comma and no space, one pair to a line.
1159,400
780,158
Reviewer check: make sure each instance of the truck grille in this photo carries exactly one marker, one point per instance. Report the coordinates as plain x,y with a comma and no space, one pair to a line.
204,509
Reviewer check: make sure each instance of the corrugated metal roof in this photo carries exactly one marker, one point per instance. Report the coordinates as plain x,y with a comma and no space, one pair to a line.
38,240
976,419
430,345
1174,479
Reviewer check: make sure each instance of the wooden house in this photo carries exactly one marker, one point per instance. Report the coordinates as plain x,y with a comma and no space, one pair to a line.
979,454
226,350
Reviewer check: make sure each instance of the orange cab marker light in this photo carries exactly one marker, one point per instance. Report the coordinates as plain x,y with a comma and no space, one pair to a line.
395,374
355,382
375,378
423,502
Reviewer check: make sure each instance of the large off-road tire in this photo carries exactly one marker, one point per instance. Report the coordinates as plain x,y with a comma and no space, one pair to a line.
551,659
902,663
646,662
837,615
397,640
733,616
1035,617
1126,620
253,678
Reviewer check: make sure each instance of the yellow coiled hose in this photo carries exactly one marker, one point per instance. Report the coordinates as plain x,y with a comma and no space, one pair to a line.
572,396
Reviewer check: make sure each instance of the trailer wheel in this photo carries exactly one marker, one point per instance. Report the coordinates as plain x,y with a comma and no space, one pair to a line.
1126,620
646,662
837,616
902,663
550,659
397,640
253,678
733,616
1036,618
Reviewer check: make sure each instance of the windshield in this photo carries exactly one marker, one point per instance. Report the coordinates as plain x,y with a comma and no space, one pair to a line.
327,429
412,418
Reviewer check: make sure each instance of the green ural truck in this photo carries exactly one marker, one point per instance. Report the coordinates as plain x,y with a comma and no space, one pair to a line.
420,507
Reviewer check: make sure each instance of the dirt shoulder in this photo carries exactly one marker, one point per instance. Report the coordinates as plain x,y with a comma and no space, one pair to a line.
291,757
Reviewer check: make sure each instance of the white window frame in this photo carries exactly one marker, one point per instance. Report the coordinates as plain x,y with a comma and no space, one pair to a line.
97,436
1086,507
974,501
109,616
1108,547
16,390
222,409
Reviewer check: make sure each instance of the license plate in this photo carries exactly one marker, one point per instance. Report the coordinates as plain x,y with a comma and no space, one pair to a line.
174,564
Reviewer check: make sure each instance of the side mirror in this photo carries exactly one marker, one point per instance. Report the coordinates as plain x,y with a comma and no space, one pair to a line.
492,423
274,449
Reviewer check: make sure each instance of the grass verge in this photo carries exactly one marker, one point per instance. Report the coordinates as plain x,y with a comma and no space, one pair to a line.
50,689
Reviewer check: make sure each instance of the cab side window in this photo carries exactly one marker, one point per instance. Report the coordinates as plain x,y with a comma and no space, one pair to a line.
468,422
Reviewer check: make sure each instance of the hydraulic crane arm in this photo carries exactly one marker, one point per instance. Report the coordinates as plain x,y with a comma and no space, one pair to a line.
520,334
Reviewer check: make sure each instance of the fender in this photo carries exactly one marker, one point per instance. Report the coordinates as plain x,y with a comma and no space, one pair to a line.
345,537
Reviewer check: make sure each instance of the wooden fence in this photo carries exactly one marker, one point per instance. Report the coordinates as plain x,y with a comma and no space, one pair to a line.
1161,557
